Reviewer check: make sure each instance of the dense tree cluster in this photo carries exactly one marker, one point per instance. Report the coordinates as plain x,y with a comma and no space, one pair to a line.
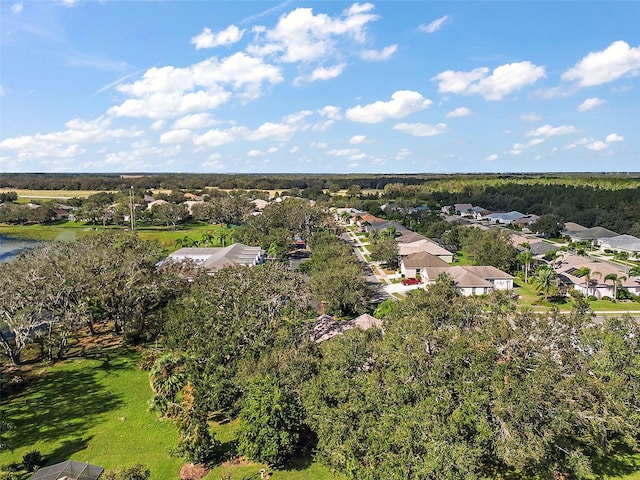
52,291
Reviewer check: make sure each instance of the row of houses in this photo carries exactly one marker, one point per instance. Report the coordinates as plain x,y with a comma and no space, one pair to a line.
423,257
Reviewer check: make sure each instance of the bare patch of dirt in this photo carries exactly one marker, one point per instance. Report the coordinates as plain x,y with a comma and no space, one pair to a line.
193,472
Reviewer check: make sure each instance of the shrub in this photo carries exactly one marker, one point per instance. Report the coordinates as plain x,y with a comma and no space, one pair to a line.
592,298
608,299
132,472
32,460
10,476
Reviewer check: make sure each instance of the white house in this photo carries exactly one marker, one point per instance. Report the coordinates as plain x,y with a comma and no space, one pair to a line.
213,259
621,243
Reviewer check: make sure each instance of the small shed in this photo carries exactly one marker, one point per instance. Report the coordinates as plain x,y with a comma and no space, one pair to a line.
71,470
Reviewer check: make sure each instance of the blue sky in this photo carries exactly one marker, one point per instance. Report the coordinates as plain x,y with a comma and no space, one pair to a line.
319,86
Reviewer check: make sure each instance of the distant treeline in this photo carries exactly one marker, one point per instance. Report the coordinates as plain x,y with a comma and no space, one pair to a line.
185,181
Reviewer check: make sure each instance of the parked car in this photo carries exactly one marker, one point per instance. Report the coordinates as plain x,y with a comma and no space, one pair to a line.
411,281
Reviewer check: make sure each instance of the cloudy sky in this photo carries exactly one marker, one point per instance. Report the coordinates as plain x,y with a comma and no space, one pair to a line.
319,86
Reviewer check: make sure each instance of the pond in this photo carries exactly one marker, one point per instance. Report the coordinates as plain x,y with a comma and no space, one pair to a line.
11,247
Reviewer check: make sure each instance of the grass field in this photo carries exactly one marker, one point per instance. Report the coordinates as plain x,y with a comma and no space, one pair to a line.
51,194
165,236
94,409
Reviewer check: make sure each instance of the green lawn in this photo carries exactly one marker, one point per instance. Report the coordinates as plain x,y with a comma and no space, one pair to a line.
166,236
530,298
95,410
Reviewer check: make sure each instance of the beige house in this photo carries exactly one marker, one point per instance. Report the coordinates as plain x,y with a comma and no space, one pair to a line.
412,243
471,280
415,263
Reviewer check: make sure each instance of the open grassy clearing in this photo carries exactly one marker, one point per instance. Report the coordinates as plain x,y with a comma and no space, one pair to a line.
94,409
165,236
52,194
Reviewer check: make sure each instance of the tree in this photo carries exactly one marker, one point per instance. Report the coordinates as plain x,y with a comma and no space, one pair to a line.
272,419
548,225
169,214
195,443
385,250
167,378
623,257
491,247
587,273
616,281
525,258
132,472
545,281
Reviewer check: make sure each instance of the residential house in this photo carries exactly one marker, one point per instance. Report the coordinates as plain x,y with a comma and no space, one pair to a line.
472,280
150,205
415,263
479,213
592,234
525,221
326,327
190,203
505,218
621,243
213,259
569,268
572,227
259,204
414,243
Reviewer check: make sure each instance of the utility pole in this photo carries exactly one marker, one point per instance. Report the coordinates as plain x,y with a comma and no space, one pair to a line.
131,210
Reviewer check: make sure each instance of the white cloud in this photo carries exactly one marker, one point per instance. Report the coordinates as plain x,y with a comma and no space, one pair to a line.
169,91
492,157
194,121
519,147
158,125
357,139
530,117
504,80
459,112
435,25
596,146
208,39
67,143
167,105
272,131
214,162
421,129
590,103
377,55
614,137
2,91
302,36
616,61
344,152
176,136
549,131
254,153
17,8
298,117
402,103
320,145
326,73
331,112
217,137
402,154
295,149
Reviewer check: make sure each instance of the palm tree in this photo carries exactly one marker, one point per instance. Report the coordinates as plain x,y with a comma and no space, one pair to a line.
207,239
623,257
587,273
634,271
545,281
525,258
223,238
617,282
373,235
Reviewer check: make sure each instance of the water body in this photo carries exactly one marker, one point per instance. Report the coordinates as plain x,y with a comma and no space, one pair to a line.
11,247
